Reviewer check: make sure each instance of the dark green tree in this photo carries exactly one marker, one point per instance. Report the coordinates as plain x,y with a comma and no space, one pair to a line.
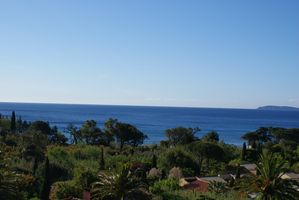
40,127
110,129
19,125
35,144
260,136
154,161
129,134
75,134
211,137
281,134
13,122
243,154
238,172
252,138
206,151
91,134
102,160
125,133
45,189
181,135
58,138
178,157
265,135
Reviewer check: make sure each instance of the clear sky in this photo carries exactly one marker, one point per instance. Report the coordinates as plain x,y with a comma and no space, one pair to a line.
242,53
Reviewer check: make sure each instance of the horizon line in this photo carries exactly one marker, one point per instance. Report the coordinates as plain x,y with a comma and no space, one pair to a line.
132,105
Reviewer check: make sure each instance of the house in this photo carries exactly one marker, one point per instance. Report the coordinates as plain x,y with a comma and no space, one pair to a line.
228,177
199,184
291,175
187,180
86,195
250,168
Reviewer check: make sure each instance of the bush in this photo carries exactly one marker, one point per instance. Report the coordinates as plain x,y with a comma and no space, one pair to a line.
59,172
60,155
175,173
187,172
65,190
155,173
166,190
178,158
167,185
84,152
84,177
295,167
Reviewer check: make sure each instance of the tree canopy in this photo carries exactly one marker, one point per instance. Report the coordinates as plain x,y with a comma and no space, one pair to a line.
181,135
211,137
125,133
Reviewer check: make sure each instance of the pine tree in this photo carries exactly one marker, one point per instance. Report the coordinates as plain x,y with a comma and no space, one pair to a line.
102,160
45,190
13,122
243,154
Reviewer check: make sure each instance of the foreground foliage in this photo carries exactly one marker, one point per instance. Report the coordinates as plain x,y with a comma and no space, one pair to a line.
38,161
119,186
268,183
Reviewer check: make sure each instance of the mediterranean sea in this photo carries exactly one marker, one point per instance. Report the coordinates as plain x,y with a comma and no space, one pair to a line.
230,124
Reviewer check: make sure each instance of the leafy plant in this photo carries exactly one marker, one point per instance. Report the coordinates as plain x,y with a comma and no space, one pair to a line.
119,186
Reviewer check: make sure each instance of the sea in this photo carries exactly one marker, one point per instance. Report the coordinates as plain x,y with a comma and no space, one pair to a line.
230,124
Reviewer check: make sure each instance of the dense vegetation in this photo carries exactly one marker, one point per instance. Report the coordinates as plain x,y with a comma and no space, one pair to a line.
37,161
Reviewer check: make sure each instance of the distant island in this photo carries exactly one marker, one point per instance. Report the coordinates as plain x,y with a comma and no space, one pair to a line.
282,108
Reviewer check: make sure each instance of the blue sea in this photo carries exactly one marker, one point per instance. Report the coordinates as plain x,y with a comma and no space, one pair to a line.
231,124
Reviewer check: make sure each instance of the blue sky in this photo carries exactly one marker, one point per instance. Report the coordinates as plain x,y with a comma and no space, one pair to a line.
155,52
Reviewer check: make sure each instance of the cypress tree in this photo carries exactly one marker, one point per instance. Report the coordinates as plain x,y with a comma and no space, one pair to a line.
243,154
163,175
45,190
238,173
154,161
35,165
253,145
102,160
259,148
13,122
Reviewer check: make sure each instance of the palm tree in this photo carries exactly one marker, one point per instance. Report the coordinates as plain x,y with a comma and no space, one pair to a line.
121,186
269,184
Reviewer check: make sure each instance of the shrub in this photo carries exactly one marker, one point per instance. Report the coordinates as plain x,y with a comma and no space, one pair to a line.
155,173
166,185
217,187
65,190
187,172
59,172
295,167
84,177
84,152
178,158
60,155
175,173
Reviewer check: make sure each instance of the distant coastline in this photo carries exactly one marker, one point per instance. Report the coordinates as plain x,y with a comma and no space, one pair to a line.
280,108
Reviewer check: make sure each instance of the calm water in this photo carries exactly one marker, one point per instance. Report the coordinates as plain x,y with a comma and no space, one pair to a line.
231,124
